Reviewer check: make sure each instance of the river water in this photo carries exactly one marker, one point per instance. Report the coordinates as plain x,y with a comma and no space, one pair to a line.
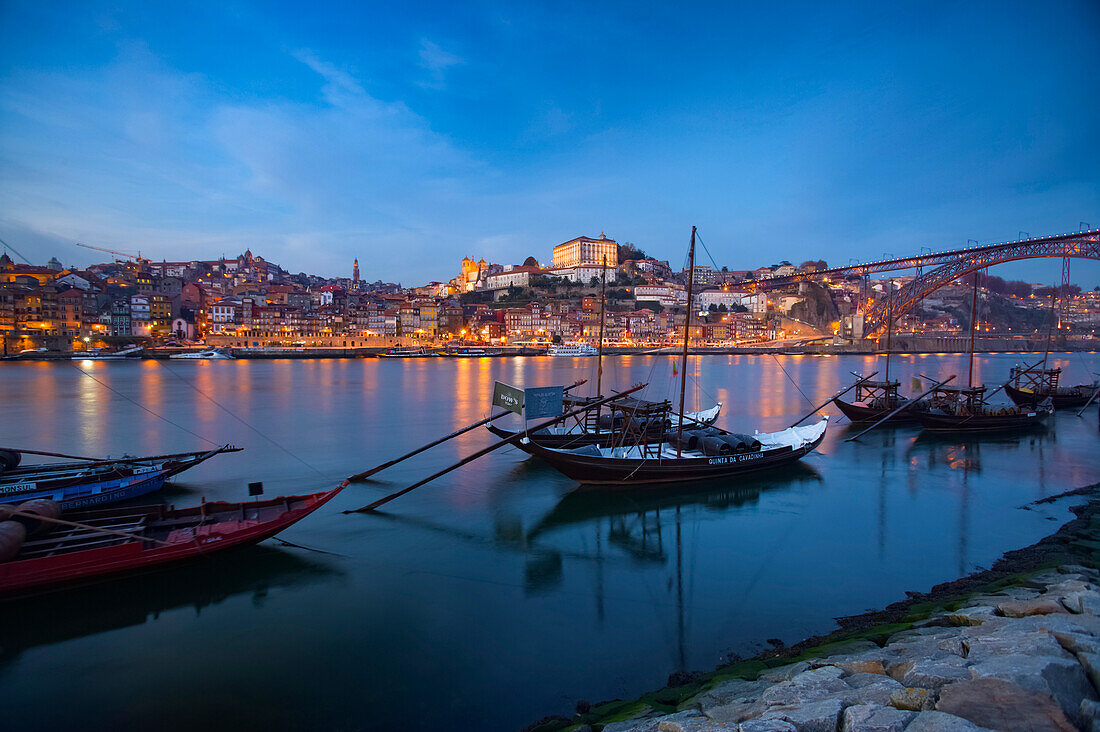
497,594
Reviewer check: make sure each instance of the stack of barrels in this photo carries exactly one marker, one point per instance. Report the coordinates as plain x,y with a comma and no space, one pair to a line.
26,519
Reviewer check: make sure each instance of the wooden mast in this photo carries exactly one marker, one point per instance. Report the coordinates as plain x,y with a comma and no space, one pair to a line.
889,325
603,304
687,336
973,325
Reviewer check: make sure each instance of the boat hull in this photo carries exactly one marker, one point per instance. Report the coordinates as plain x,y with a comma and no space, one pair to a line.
626,472
982,423
19,577
1077,398
856,413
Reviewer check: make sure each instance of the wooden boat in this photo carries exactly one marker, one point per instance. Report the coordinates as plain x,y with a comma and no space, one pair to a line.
406,353
662,462
875,400
92,483
634,457
106,542
964,409
467,352
211,354
597,429
1028,387
130,352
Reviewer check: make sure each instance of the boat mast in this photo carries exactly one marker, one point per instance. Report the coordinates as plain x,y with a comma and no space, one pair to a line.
687,335
1050,330
889,324
603,304
973,324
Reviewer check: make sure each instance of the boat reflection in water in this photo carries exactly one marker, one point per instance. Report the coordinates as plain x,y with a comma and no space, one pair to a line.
132,600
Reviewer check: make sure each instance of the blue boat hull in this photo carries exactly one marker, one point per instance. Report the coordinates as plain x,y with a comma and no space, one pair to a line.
99,493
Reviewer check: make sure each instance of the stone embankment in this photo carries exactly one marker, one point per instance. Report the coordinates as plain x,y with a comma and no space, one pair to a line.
1026,658
1013,647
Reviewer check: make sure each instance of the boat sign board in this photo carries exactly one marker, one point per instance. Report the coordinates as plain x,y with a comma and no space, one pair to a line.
508,397
543,401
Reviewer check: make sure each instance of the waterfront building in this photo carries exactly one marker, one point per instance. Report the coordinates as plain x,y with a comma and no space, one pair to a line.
584,250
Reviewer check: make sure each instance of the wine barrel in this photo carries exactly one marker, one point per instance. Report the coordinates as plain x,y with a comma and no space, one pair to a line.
39,507
9,459
12,536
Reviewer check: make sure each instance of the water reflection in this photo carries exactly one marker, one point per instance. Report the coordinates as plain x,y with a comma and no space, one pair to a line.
257,571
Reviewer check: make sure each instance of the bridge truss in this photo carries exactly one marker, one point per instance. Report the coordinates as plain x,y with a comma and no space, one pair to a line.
957,265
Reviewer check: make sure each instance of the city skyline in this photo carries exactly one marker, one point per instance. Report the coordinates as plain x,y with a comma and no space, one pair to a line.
413,137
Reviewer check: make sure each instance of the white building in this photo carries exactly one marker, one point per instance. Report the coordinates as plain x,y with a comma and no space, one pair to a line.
584,250
664,295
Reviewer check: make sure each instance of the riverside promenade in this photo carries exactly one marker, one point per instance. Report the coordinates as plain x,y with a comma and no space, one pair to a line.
1016,647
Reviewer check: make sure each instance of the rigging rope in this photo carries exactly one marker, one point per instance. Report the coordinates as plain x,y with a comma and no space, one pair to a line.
246,424
142,406
796,386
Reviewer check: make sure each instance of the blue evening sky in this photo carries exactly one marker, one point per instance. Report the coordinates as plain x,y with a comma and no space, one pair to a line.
411,134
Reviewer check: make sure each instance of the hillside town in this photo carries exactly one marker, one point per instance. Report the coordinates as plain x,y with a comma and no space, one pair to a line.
249,302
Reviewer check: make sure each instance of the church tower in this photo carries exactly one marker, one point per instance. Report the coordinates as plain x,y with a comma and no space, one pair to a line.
355,271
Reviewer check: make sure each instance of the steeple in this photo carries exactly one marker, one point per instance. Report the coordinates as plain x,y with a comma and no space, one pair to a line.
355,271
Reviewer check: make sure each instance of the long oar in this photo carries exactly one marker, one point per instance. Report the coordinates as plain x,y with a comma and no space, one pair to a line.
1095,391
223,448
839,394
903,407
77,525
495,446
367,473
1026,368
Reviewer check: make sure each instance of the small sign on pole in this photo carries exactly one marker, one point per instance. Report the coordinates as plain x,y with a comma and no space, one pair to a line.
543,401
508,397
256,489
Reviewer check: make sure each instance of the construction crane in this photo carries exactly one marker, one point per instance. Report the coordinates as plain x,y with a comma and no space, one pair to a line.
138,258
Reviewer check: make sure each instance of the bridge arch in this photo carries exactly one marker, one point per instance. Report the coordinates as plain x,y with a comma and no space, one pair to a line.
1085,246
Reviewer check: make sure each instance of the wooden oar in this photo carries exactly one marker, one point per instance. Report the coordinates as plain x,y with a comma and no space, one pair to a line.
223,448
1026,368
87,527
495,446
367,473
1095,391
903,407
834,396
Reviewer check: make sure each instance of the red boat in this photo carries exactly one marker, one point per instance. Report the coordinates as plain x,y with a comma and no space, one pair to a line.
94,544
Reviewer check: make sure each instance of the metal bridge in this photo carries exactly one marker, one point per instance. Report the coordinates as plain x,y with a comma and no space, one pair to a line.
946,268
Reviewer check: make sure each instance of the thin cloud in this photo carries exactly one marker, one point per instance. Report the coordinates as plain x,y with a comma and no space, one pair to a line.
436,61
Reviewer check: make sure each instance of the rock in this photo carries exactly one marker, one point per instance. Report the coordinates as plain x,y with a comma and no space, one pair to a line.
1090,662
1069,586
1060,677
942,722
805,687
784,673
874,666
767,725
1077,642
1082,602
633,725
975,615
875,718
692,721
871,689
1065,623
1023,608
931,674
1010,640
999,704
913,700
734,691
1090,715
816,716
736,711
